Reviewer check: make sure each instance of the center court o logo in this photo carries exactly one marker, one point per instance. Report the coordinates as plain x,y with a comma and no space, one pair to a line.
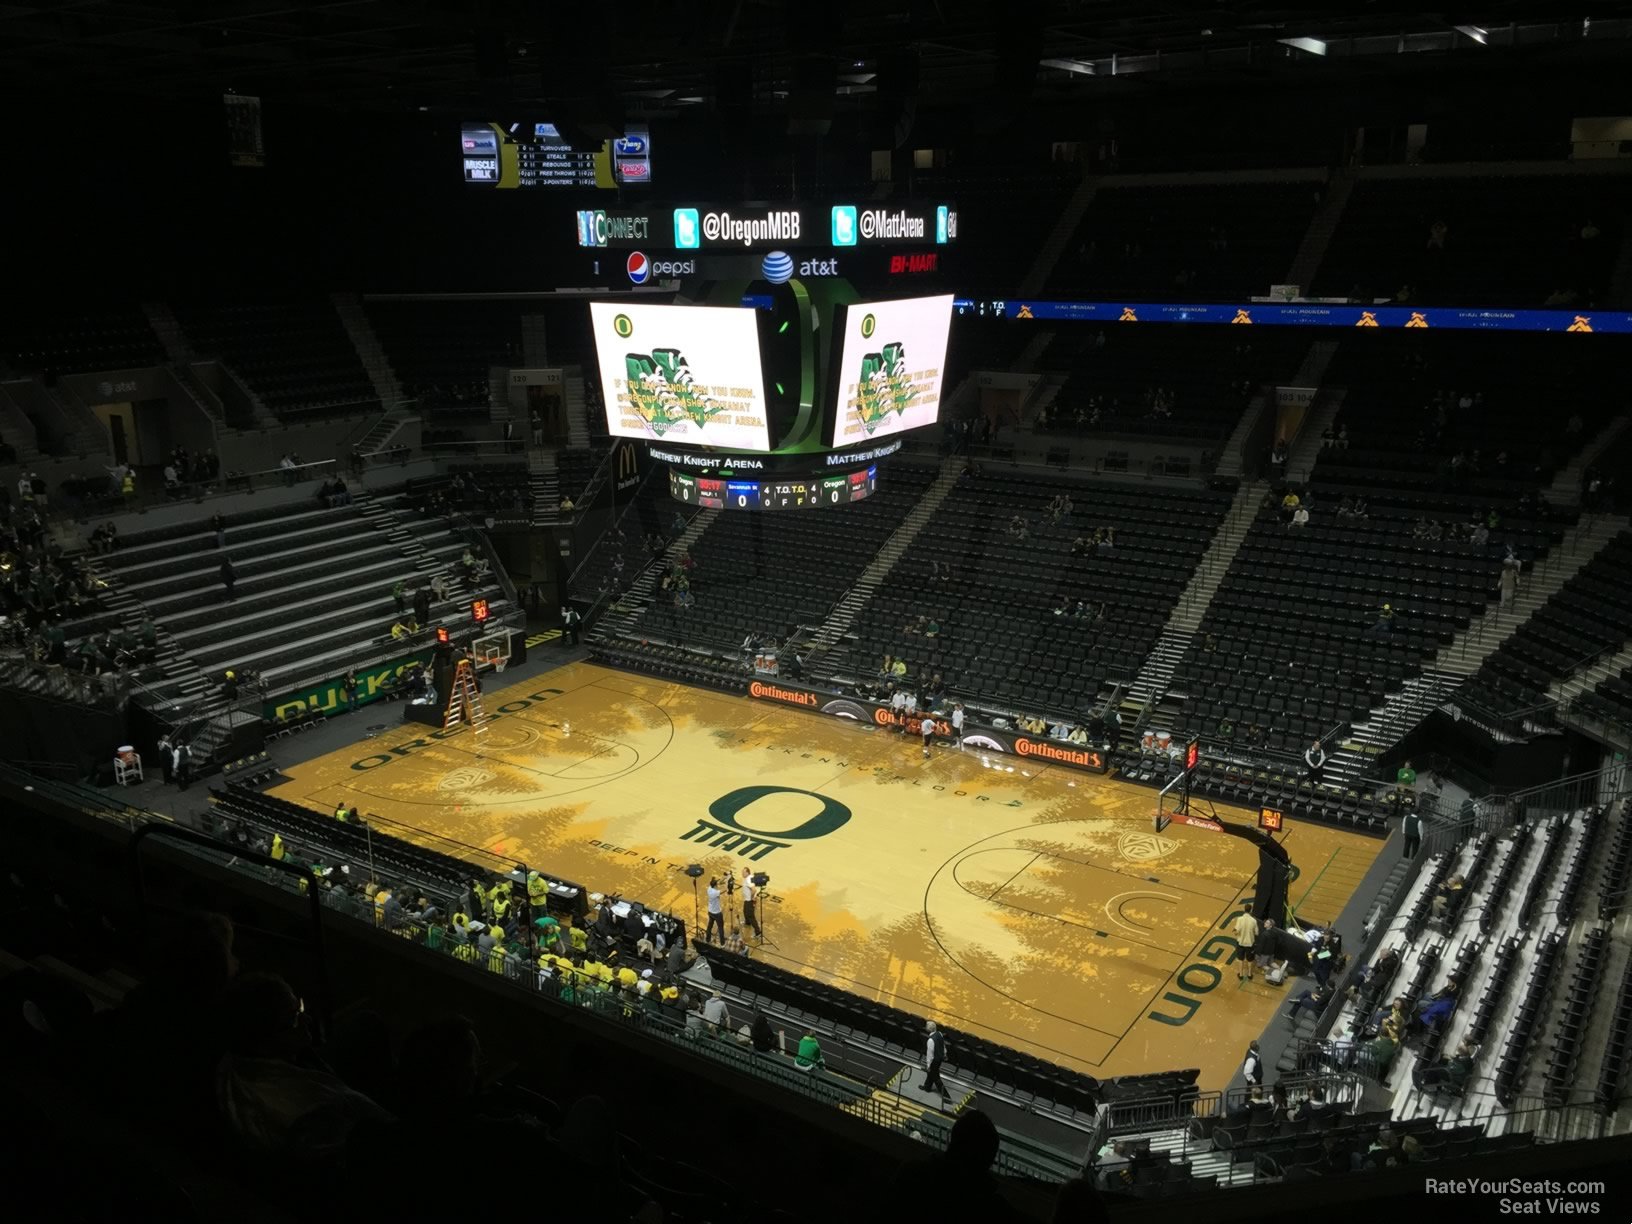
833,816
725,831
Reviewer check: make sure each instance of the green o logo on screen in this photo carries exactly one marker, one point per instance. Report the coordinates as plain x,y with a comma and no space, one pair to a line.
868,326
625,326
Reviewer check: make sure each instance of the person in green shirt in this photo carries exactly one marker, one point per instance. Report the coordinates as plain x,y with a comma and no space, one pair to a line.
809,1057
1407,776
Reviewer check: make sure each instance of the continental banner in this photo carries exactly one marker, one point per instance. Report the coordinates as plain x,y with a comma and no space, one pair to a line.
985,738
328,697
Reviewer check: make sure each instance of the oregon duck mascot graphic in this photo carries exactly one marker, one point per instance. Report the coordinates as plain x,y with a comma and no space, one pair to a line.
663,392
885,385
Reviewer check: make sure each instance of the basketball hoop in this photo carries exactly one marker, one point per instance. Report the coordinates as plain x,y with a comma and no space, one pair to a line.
499,662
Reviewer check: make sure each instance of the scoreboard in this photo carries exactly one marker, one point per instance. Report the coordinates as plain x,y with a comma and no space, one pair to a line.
798,494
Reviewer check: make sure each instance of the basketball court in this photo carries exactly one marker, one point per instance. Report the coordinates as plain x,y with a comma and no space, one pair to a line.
1030,903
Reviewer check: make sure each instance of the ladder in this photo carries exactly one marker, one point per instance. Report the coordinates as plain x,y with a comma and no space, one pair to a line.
465,702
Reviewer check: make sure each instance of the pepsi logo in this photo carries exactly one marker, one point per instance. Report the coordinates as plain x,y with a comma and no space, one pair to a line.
639,267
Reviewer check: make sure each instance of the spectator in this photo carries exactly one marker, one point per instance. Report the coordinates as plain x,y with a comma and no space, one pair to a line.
716,1015
1448,896
957,1184
229,576
1311,1000
809,1057
1300,517
270,1101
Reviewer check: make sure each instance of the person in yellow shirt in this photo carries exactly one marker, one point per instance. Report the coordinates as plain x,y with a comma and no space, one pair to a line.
1245,928
277,847
538,892
627,978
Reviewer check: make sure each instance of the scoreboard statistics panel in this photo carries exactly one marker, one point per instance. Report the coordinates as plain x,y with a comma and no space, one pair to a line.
802,494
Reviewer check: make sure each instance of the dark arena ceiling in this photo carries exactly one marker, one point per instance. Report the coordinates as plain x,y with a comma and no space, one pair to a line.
639,57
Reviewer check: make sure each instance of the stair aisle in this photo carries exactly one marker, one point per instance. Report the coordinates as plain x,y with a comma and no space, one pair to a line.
843,616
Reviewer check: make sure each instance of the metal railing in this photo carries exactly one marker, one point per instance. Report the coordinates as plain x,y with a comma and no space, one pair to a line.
68,503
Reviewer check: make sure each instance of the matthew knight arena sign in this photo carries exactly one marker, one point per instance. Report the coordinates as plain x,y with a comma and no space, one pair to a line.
987,739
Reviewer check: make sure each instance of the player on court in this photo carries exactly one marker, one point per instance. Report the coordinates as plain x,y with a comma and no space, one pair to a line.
957,724
926,723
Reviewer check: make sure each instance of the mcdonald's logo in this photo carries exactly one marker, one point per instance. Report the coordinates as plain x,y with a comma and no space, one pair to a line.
1241,316
1128,316
1368,318
628,460
1416,320
1583,323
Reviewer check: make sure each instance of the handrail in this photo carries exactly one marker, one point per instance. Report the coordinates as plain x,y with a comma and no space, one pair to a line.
314,907
468,530
614,525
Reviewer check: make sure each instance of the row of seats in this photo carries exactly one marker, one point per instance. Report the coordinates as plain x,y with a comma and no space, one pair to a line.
1242,778
1124,380
1553,844
442,875
1572,1017
1188,242
1617,876
672,662
1611,701
52,339
1526,1024
441,351
767,573
1612,1073
295,354
997,598
1590,616
1535,243
984,1062
1567,898
283,619
1491,917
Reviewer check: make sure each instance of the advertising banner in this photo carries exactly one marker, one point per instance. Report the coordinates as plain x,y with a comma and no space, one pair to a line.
681,374
328,697
750,227
1307,314
891,368
979,738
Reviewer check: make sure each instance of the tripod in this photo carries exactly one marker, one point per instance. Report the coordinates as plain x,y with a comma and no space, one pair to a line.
695,871
760,880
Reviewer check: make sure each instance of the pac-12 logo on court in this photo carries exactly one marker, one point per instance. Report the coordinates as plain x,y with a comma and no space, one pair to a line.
1142,847
726,831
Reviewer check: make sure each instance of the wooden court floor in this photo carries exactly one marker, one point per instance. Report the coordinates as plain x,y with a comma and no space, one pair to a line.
1028,903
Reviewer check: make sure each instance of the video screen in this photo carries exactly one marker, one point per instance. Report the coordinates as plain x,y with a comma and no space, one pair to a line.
890,368
681,374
